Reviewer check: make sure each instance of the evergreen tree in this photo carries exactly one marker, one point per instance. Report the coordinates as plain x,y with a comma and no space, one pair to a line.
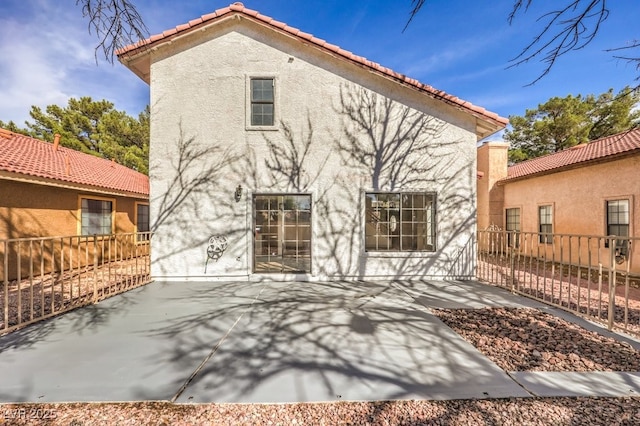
561,123
93,127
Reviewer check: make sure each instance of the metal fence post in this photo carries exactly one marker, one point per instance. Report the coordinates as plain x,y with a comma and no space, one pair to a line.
95,268
512,260
612,281
6,284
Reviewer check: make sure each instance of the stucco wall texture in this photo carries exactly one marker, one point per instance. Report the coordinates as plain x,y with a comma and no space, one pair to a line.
33,210
492,163
579,197
340,131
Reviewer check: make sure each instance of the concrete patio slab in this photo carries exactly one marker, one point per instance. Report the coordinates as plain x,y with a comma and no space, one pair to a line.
121,349
599,383
263,342
345,341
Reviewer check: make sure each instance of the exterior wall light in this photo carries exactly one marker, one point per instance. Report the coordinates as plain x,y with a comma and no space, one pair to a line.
238,194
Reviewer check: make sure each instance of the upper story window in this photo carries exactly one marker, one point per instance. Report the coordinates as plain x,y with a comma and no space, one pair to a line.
262,101
96,216
545,224
400,221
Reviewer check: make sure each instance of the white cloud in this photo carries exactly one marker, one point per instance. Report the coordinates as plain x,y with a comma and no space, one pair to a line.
454,52
29,76
48,57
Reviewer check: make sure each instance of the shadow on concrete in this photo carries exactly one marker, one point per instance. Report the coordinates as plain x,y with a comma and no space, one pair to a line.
322,342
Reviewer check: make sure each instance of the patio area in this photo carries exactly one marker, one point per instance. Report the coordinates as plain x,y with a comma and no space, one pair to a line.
267,342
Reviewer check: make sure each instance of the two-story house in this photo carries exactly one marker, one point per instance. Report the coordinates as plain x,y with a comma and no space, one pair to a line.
277,155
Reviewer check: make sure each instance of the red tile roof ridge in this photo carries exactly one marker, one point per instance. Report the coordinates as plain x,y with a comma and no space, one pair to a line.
608,147
24,155
239,7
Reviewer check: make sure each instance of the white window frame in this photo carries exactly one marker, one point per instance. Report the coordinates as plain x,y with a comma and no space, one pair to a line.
621,245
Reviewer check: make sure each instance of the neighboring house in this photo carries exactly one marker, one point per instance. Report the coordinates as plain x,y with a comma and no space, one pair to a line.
277,155
47,190
589,189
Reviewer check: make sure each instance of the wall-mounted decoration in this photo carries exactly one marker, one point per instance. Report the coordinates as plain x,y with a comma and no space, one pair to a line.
215,249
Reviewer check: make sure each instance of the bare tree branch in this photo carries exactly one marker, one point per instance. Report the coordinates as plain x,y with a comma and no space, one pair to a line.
417,5
117,24
570,28
635,44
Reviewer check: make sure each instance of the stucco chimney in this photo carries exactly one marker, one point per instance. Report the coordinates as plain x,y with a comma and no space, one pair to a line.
493,161
56,141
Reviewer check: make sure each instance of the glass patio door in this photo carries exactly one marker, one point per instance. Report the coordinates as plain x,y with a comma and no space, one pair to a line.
282,233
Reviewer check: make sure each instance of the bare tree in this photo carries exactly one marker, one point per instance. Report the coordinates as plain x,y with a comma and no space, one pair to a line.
571,26
117,24
568,28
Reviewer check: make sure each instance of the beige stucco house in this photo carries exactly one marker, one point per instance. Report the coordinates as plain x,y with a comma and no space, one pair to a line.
277,155
47,190
591,189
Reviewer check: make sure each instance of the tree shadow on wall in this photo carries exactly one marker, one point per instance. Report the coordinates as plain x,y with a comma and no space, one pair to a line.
387,146
377,144
288,162
195,173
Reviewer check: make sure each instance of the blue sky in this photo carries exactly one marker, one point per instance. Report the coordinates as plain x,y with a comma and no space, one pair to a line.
459,46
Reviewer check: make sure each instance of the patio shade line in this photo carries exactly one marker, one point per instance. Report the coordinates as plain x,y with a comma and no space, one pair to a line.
215,349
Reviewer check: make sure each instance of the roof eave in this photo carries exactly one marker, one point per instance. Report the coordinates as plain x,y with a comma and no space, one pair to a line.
578,165
38,180
137,58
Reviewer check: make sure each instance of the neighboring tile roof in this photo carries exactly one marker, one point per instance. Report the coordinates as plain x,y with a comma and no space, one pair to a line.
33,157
238,7
603,149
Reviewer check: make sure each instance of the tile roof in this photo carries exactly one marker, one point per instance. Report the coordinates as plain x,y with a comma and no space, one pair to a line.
238,8
28,156
603,149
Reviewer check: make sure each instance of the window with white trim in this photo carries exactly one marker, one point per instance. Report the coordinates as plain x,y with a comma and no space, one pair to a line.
400,221
618,218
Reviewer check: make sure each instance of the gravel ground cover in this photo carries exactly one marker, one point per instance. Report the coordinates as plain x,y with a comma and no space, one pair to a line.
516,339
531,411
522,339
577,290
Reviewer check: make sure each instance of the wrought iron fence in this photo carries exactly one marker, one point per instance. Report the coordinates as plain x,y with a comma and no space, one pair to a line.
592,276
43,277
